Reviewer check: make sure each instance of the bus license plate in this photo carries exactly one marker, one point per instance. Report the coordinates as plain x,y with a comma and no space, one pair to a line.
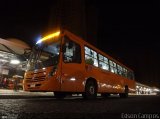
32,85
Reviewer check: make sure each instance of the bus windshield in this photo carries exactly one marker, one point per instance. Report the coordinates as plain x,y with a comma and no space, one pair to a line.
44,55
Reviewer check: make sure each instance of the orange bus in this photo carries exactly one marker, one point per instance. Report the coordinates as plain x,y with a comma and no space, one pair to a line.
64,63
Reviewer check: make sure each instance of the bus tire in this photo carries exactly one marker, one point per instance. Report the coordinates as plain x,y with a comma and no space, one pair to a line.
59,95
90,90
125,94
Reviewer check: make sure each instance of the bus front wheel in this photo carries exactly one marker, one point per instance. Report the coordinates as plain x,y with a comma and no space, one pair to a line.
90,90
59,95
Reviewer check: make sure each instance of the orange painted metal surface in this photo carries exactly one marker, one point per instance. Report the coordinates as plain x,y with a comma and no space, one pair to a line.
71,77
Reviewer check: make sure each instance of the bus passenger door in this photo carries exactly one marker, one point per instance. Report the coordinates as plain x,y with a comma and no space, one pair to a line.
72,68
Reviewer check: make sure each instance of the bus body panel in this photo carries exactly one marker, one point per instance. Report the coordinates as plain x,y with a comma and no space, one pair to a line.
107,81
72,74
33,81
71,77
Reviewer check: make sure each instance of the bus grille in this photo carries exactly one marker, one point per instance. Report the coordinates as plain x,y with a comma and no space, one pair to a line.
35,78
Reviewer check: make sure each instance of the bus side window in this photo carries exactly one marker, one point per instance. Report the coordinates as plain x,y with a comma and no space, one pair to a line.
90,56
130,75
124,72
71,51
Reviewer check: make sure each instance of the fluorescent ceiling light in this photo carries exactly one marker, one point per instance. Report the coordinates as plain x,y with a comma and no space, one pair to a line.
15,61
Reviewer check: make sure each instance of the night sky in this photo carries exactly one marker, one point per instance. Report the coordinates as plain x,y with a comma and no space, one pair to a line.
128,31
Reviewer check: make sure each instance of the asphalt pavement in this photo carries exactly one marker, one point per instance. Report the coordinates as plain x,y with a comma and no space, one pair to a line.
26,105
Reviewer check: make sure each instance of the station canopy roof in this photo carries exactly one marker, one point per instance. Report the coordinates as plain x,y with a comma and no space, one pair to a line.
14,46
11,49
